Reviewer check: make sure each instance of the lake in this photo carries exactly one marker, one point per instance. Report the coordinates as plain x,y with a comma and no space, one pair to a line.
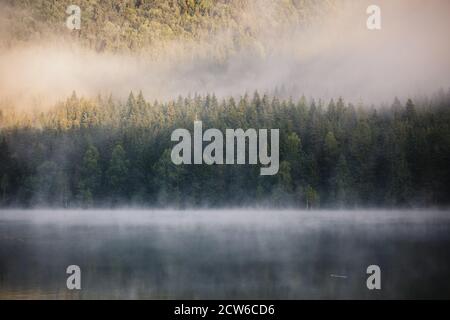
224,254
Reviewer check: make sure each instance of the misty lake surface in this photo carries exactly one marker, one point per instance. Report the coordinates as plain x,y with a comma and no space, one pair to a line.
224,254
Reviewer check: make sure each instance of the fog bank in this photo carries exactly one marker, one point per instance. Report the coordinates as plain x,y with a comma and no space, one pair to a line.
336,56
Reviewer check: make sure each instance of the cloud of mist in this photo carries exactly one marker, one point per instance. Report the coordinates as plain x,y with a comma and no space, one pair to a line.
337,56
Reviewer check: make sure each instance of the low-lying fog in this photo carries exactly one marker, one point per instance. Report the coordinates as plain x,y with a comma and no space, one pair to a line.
220,218
224,254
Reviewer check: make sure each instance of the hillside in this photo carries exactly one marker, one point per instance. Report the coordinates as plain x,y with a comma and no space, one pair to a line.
133,25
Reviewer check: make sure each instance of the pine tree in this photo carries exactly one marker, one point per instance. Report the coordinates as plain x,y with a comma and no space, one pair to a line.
90,176
117,172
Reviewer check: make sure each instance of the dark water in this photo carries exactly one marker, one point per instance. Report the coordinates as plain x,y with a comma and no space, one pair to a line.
227,254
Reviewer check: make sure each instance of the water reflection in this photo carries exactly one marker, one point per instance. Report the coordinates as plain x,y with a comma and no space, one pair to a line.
228,254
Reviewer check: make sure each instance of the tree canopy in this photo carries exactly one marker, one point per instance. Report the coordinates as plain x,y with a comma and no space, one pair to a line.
104,152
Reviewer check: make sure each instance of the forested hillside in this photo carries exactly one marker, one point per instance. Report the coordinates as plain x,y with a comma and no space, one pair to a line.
100,152
113,151
134,25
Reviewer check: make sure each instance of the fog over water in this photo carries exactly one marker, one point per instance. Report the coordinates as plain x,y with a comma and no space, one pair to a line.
236,253
224,254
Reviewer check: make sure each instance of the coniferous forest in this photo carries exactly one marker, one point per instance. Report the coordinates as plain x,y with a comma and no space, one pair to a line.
115,151
224,150
102,152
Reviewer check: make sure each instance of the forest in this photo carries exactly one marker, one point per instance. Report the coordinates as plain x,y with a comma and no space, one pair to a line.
104,152
151,25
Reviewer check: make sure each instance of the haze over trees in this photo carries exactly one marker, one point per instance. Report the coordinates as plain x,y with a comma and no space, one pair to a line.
103,152
134,25
166,48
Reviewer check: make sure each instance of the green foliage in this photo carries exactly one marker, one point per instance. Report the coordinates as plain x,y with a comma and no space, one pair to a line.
94,152
151,25
90,176
117,171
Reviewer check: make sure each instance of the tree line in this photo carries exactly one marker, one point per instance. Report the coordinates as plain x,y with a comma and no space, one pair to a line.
104,152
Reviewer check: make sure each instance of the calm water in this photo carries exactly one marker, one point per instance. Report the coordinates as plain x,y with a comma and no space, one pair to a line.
228,254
